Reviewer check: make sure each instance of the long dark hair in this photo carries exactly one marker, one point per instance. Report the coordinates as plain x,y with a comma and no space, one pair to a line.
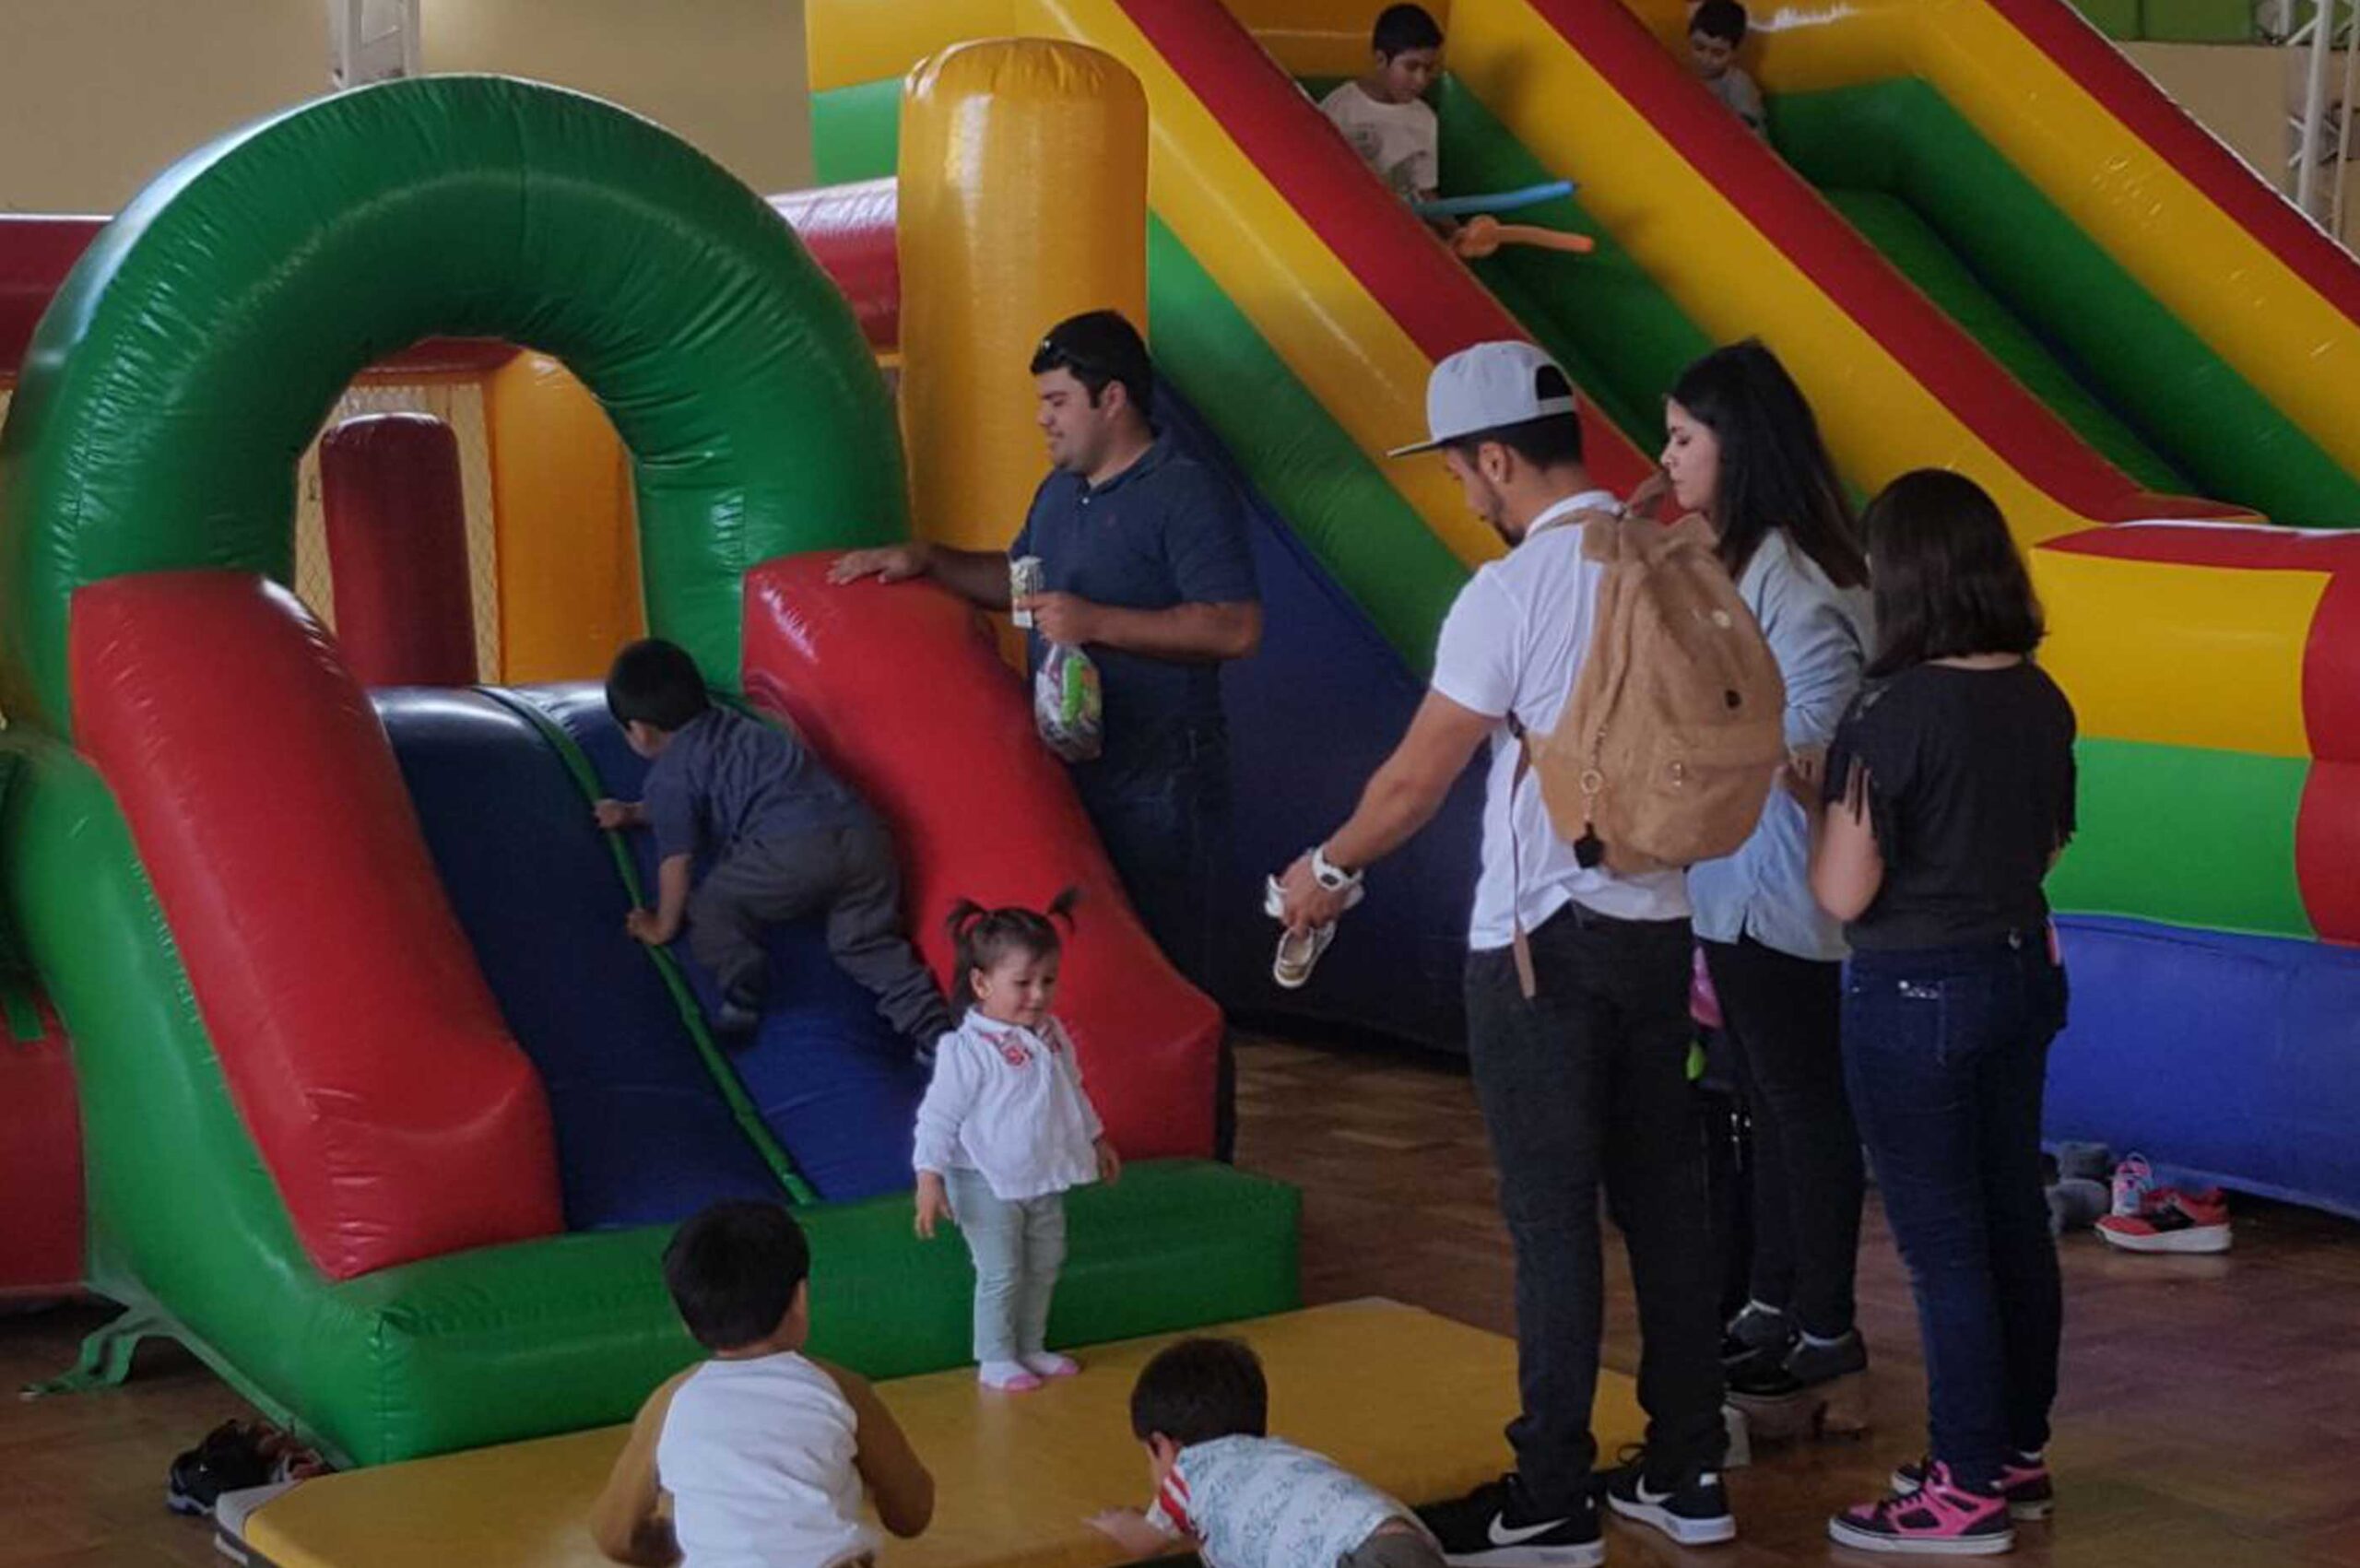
1774,468
1949,580
982,938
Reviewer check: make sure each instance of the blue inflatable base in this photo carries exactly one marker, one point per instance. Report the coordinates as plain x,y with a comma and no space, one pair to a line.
2224,1059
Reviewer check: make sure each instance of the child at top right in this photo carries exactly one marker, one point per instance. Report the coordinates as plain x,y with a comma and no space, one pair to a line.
1716,28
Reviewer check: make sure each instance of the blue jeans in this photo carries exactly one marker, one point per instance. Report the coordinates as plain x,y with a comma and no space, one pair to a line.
1946,1057
1018,1247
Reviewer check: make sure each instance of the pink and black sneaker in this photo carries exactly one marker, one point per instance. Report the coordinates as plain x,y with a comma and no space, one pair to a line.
1940,1518
2171,1220
2024,1481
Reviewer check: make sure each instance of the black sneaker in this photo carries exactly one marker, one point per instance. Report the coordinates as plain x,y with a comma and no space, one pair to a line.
1496,1527
1693,1509
1756,1332
739,1014
1805,1366
230,1460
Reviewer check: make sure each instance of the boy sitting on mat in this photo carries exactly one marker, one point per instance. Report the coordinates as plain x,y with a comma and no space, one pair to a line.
1240,1498
761,1454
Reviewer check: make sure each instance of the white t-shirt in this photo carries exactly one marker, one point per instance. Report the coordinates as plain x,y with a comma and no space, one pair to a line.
758,1456
1513,642
1263,1503
1396,140
1008,1104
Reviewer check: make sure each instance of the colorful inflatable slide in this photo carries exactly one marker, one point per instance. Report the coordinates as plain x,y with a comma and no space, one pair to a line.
383,1114
1991,244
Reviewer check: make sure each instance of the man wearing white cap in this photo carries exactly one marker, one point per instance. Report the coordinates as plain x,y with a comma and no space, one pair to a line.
1583,1082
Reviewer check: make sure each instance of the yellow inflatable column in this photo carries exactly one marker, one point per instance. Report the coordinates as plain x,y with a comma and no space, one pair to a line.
569,545
1023,200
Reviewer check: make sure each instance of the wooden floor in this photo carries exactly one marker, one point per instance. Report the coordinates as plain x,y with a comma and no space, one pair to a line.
2211,1413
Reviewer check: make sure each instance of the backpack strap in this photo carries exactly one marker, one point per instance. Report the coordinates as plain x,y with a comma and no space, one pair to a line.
1526,979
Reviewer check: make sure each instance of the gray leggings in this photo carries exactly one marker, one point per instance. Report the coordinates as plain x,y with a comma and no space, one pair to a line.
1018,1248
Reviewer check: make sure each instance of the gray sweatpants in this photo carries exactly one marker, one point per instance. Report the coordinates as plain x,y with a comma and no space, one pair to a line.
1018,1247
850,874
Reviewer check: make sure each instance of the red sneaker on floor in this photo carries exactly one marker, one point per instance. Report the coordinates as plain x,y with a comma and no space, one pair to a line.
2171,1220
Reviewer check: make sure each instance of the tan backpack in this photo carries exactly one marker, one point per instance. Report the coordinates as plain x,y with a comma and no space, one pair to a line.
1676,726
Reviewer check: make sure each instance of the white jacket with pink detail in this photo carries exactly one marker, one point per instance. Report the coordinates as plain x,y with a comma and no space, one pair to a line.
1008,1104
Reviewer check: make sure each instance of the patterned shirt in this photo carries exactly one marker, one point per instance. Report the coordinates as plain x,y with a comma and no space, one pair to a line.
1263,1503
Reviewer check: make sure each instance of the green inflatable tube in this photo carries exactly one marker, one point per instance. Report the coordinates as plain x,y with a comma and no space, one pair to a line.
195,350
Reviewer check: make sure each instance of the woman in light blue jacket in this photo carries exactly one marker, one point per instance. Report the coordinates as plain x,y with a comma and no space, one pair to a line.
1745,452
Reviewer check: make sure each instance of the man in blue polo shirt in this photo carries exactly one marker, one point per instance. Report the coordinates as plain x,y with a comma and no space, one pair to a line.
1146,566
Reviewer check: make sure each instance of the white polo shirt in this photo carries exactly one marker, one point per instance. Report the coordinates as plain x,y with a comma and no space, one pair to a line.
1513,643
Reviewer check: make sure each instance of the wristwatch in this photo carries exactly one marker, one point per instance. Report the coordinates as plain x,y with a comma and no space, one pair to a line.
1328,874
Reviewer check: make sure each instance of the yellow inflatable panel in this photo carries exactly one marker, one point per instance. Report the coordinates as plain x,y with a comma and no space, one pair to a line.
564,519
993,255
847,42
1015,1477
2180,655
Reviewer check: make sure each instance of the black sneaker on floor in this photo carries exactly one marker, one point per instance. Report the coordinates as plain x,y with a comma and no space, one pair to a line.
1807,1365
1754,1331
1496,1527
228,1459
1693,1509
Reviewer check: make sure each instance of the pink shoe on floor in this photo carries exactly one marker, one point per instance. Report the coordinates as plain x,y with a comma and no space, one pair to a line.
1048,1363
1007,1377
1940,1518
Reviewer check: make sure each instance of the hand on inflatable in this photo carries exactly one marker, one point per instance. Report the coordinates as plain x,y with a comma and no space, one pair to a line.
888,563
1109,1164
1067,619
934,1204
645,926
1129,1528
1305,904
617,815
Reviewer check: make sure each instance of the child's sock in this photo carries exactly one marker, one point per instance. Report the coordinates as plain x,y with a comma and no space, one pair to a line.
1048,1363
1008,1377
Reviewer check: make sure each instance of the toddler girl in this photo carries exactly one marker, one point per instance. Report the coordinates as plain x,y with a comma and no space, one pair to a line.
1004,1130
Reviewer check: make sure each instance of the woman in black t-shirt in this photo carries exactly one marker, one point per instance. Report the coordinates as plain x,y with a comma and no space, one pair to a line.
1949,794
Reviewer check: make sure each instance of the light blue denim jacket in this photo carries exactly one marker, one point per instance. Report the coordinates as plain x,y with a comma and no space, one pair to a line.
1818,634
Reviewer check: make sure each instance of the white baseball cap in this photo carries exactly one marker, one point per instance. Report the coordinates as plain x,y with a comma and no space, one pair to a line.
1486,387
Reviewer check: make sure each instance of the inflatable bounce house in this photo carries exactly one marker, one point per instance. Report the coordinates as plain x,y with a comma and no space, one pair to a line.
1981,239
325,1044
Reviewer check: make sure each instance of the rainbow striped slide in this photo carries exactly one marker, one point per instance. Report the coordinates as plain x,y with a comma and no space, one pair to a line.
1992,245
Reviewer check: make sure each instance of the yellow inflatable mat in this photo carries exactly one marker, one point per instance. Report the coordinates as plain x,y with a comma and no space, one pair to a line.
1411,1401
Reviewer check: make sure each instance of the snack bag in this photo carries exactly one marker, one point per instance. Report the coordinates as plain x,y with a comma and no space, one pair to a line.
1067,706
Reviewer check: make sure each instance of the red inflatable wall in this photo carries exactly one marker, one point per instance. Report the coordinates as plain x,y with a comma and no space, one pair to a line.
41,1155
904,692
360,1043
396,520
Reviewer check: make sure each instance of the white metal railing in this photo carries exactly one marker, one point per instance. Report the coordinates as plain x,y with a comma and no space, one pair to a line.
2320,133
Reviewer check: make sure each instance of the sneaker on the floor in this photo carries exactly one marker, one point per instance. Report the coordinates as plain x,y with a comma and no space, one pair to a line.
1496,1525
229,1458
1940,1518
2171,1220
1805,1366
1754,1330
737,1017
2024,1481
1693,1509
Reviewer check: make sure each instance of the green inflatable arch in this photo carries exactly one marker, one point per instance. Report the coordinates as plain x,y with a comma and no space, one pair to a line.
196,348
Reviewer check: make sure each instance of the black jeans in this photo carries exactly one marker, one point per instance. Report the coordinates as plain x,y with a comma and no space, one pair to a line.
1947,1055
1784,1015
1584,1087
1163,814
849,873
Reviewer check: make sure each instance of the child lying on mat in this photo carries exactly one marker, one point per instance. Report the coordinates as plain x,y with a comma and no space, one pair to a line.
1240,1497
760,1454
